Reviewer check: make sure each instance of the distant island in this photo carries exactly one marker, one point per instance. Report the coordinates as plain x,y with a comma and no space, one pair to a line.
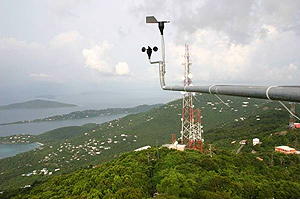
89,113
36,104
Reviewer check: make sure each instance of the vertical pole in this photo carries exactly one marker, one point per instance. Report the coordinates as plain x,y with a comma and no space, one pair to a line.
173,138
291,124
272,163
157,149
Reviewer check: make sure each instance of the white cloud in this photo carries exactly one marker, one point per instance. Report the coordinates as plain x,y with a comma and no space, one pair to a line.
122,68
239,20
97,58
40,75
65,38
265,60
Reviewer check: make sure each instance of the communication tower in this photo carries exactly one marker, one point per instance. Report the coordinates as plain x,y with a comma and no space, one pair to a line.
191,129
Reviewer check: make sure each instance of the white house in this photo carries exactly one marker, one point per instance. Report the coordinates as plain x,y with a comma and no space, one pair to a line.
255,141
177,146
142,148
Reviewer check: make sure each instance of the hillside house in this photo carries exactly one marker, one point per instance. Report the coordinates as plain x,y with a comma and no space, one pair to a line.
259,158
243,142
175,145
285,149
142,148
255,141
180,147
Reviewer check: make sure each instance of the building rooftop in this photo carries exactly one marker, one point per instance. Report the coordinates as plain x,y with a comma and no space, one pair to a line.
285,147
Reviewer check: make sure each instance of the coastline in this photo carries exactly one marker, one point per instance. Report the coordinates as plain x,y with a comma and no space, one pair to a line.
9,150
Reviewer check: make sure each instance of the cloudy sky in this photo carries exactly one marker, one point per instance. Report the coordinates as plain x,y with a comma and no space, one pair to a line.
76,47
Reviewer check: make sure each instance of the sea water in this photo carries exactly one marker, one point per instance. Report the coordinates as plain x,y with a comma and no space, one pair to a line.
36,128
7,150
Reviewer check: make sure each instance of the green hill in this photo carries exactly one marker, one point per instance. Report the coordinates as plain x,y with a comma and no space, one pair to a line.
36,104
103,143
61,134
165,173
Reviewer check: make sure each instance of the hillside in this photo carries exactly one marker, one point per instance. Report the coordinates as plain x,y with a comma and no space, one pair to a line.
36,104
102,143
165,173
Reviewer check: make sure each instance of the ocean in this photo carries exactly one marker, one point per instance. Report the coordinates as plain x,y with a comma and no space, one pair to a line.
7,150
41,127
86,101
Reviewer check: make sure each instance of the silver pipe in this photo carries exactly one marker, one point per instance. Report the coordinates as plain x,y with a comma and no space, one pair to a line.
284,93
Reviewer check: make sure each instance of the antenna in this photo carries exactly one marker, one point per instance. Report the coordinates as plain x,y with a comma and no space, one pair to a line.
191,129
285,93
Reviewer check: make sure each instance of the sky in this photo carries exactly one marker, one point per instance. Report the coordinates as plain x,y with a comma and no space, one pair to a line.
78,50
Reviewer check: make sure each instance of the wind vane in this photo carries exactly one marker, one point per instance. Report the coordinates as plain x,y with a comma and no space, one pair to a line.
284,93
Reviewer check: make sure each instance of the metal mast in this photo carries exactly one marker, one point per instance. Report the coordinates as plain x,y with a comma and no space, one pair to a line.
187,115
191,128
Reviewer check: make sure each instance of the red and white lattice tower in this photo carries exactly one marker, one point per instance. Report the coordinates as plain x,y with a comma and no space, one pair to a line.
191,129
197,139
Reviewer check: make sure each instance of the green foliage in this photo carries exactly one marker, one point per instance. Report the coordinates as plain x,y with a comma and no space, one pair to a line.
286,189
174,174
63,133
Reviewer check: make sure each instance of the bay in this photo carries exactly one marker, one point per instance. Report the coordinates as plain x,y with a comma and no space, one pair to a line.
7,150
7,116
41,127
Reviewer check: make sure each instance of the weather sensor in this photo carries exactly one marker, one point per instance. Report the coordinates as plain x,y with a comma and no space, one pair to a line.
285,93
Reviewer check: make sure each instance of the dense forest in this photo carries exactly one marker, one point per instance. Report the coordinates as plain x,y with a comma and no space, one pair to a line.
164,173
